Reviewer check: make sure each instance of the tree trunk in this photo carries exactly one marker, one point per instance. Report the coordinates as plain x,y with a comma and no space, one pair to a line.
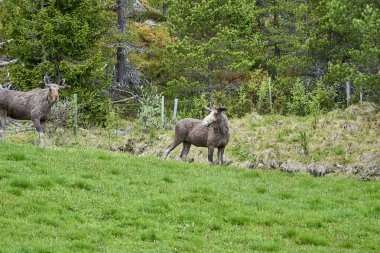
121,65
276,25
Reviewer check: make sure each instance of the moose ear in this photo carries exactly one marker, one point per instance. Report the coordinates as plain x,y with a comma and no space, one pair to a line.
62,84
221,109
206,108
46,81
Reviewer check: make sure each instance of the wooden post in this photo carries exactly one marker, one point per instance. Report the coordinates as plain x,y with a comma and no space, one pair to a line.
361,97
348,92
164,8
175,109
270,93
75,114
163,110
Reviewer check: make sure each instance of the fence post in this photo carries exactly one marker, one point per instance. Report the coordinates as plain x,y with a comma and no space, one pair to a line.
348,92
75,114
361,97
270,93
175,108
163,110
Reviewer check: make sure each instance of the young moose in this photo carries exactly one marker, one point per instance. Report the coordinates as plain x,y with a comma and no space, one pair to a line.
34,105
211,132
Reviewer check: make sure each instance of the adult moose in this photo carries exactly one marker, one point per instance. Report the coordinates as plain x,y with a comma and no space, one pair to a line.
34,105
211,132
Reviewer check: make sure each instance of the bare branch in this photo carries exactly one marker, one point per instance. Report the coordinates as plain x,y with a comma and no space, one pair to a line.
114,8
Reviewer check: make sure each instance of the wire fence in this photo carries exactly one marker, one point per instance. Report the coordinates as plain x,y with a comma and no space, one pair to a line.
172,108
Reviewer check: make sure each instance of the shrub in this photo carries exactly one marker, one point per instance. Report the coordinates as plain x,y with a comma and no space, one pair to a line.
194,109
304,141
263,101
321,99
299,100
304,103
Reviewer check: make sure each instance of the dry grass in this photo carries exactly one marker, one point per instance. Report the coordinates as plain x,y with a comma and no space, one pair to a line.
342,141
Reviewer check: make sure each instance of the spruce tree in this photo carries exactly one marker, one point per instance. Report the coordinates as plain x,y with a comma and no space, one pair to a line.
63,39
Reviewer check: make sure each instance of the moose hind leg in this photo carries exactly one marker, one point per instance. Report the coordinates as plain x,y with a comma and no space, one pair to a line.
185,150
170,148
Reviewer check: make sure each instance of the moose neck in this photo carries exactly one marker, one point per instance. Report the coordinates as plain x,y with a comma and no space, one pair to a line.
49,100
221,126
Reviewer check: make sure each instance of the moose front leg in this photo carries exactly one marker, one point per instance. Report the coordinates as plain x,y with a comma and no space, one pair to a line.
2,127
210,155
40,130
220,155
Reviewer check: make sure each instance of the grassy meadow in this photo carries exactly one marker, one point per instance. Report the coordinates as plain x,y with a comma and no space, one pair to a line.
87,200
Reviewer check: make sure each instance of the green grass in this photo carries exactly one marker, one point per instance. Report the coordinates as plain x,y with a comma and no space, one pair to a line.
84,200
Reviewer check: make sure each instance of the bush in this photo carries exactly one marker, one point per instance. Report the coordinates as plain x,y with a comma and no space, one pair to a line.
299,101
149,115
303,103
321,99
193,109
60,114
236,97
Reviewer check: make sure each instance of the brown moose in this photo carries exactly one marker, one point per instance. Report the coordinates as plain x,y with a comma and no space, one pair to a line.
211,132
34,105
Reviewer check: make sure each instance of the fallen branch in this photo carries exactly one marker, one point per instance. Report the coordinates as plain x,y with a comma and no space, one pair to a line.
5,63
7,86
126,99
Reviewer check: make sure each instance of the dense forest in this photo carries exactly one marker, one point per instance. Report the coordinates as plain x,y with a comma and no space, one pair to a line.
270,56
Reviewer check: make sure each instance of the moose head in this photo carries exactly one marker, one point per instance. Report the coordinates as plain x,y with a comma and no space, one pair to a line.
214,116
53,95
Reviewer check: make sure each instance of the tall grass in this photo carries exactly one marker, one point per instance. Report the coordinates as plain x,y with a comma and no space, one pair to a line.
71,200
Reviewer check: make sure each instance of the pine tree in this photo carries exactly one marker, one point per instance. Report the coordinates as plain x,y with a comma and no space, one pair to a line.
215,39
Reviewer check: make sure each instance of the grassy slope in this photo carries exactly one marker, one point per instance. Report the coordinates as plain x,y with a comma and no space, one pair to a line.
83,200
340,140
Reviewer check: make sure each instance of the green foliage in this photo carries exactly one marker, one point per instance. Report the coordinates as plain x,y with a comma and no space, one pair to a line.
224,49
213,48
